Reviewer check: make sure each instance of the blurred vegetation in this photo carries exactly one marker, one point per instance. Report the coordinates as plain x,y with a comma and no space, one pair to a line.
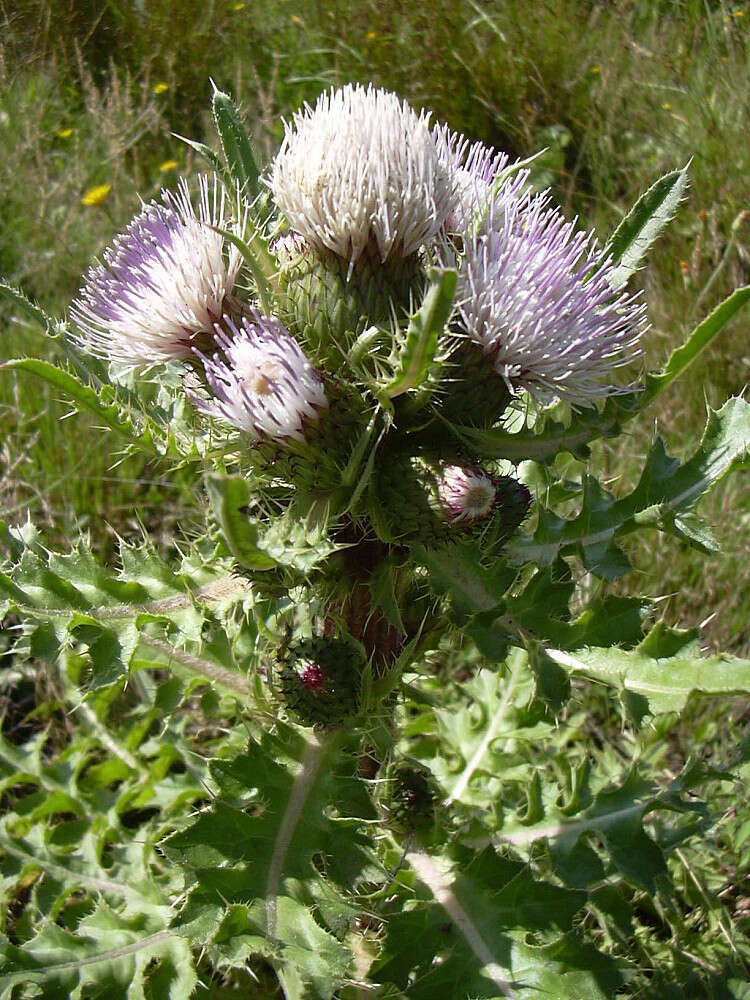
618,92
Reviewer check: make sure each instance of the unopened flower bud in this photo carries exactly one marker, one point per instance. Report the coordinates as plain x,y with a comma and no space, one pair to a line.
319,680
408,796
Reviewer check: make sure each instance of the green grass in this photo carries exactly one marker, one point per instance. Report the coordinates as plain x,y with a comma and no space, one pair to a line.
619,93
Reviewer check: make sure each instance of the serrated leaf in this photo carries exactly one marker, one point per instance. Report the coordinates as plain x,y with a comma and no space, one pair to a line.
260,544
30,310
698,340
616,816
255,847
109,954
643,224
236,145
475,593
666,492
541,444
465,935
114,417
662,675
229,498
421,343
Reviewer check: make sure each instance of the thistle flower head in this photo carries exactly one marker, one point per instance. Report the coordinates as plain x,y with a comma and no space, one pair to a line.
163,282
467,494
362,168
266,387
537,296
475,168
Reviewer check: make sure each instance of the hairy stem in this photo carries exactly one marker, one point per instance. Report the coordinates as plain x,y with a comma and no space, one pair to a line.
316,751
199,666
442,889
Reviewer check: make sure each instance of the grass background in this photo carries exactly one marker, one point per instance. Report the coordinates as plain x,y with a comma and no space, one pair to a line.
618,92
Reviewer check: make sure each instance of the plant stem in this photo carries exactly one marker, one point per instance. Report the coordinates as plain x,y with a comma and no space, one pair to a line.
442,889
316,752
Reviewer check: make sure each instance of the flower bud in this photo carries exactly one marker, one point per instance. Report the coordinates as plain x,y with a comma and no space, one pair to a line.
417,501
319,680
408,796
468,494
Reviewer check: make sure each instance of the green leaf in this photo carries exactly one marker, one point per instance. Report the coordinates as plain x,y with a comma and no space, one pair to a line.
541,444
542,609
30,310
83,396
236,145
263,544
203,150
475,593
657,671
464,931
420,346
698,340
666,492
108,954
284,833
148,426
117,618
615,815
230,498
259,259
644,223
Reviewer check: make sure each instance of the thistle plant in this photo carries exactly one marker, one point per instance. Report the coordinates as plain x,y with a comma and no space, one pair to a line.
385,363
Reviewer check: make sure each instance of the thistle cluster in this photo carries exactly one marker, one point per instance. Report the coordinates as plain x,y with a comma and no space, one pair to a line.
405,283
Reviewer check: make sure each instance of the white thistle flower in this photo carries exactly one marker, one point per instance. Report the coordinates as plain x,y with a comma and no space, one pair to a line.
468,495
163,282
360,168
267,386
537,296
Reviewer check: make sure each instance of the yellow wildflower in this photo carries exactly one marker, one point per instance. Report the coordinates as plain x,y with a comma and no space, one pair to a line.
295,20
371,35
596,69
238,6
667,106
64,133
168,165
160,88
96,195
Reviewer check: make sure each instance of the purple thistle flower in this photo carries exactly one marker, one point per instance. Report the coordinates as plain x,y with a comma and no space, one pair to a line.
468,495
475,168
537,296
267,386
164,281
